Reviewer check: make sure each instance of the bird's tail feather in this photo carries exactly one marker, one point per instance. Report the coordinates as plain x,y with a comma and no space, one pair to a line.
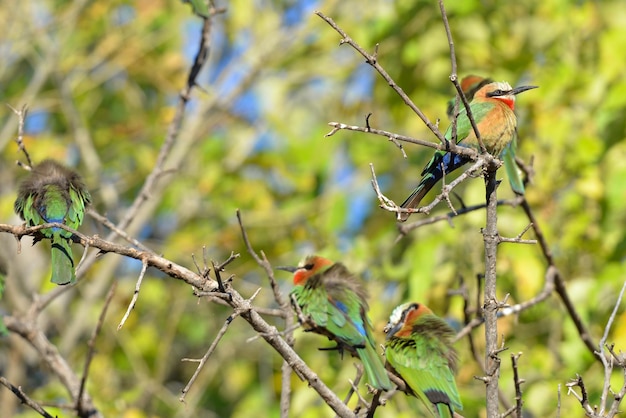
517,184
62,261
374,368
444,411
434,171
418,194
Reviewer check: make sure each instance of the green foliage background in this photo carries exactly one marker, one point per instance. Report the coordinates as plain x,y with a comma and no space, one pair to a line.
105,77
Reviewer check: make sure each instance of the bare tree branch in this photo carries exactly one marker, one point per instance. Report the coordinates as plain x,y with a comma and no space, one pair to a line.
24,398
50,355
92,346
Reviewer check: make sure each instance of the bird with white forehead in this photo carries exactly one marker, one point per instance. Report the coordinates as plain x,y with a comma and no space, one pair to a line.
419,350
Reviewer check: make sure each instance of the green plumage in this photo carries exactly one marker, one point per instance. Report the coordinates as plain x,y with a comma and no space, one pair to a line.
336,303
419,350
510,165
54,194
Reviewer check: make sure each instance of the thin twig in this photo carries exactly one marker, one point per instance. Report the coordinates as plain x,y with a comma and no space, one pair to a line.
559,282
290,326
608,362
174,128
17,390
470,153
29,331
518,385
21,120
354,384
518,239
390,206
405,228
454,79
558,401
206,356
376,402
373,61
583,398
392,139
133,301
92,345
446,189
119,232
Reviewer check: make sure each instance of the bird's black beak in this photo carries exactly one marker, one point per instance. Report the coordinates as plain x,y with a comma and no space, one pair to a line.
287,268
518,90
391,329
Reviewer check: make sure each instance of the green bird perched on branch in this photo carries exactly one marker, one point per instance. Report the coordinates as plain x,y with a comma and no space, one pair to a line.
492,109
419,350
470,85
53,193
336,302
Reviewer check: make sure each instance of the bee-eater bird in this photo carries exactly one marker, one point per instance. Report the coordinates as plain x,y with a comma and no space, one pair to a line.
336,302
419,350
492,109
54,193
470,85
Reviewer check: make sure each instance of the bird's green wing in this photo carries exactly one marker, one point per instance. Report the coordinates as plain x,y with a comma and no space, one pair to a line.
424,367
340,311
347,318
311,303
31,216
76,210
463,124
342,317
348,321
463,130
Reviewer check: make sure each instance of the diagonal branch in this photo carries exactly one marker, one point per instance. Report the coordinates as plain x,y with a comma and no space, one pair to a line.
92,346
24,398
373,61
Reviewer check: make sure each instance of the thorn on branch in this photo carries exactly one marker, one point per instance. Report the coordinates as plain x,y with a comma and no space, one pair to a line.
218,277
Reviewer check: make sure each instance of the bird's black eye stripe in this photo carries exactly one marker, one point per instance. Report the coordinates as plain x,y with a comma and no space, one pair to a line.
413,306
309,266
498,92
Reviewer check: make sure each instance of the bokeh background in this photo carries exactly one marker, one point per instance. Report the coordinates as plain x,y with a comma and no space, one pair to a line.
101,80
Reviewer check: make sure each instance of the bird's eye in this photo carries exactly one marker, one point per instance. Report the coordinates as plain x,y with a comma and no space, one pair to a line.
497,92
309,266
